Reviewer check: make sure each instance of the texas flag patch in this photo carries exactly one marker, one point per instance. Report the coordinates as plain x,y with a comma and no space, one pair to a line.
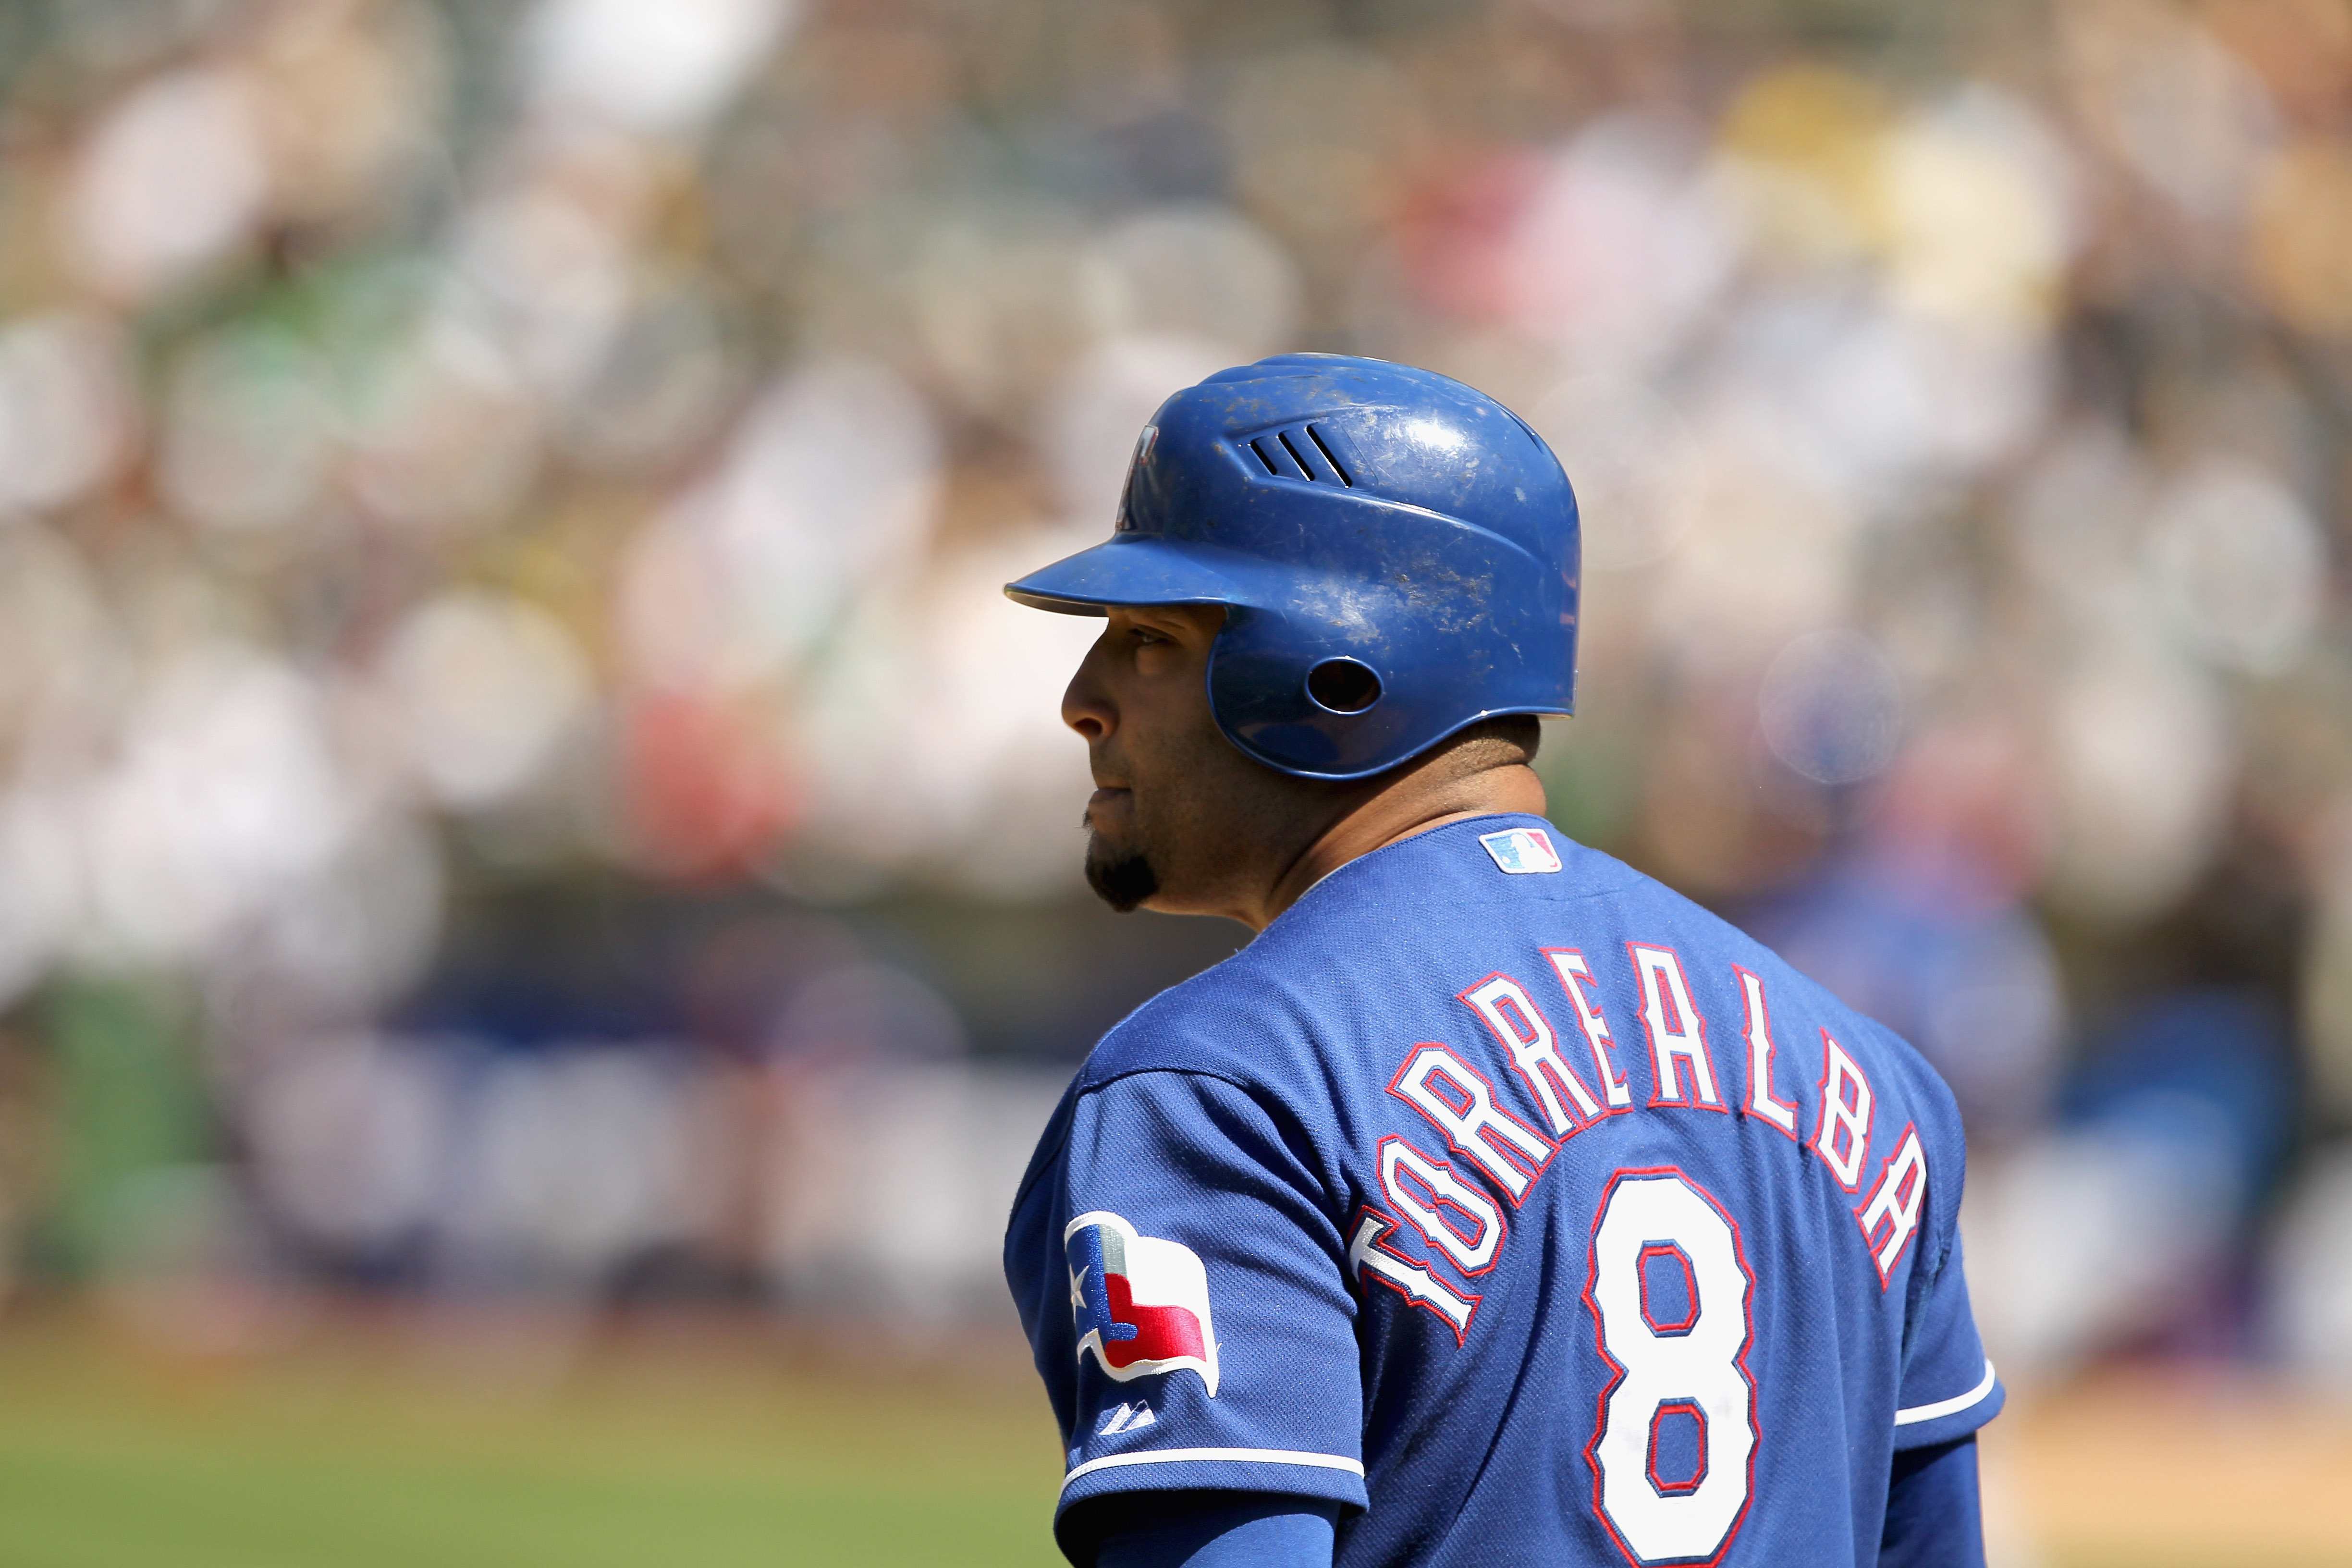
1140,1303
1522,851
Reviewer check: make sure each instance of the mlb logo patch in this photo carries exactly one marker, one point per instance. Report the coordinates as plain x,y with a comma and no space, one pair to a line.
1140,1304
1522,851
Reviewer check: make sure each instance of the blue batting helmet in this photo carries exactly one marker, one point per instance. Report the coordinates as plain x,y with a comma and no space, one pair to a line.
1397,554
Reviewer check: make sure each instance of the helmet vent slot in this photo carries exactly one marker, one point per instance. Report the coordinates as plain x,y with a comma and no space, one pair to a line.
1304,467
1323,447
1300,452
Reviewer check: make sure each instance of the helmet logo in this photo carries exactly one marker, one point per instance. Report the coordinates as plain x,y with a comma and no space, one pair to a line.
1125,523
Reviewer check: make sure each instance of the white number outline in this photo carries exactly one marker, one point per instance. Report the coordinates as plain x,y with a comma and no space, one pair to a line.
1619,1373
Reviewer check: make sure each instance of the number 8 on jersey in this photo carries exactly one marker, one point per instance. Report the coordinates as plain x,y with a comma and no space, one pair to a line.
1671,1366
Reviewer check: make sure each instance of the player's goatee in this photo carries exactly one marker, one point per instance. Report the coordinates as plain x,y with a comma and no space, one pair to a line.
1122,880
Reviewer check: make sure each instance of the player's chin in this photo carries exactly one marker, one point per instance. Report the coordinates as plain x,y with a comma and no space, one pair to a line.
1121,877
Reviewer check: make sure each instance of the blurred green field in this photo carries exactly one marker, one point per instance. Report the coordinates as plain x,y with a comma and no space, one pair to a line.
391,1446
408,1442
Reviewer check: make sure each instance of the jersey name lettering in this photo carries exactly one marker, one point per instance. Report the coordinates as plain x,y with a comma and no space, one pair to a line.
1460,1103
1370,1258
1574,975
1891,1214
1523,1032
1451,1214
1678,1033
1842,1137
1761,1101
1424,1190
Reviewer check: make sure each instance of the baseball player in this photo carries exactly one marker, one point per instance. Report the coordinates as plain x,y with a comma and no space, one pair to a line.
1496,1204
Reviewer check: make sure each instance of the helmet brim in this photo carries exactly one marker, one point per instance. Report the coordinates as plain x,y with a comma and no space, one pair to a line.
1135,570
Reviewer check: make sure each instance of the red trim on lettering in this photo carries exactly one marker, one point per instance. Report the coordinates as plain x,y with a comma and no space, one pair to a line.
1604,1059
1570,1105
1865,1109
1771,1049
1509,1154
1388,1227
1690,1288
1438,1205
1659,1483
1673,1059
1617,1373
1910,1136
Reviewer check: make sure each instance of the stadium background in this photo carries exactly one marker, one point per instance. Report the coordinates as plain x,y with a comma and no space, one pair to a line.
539,898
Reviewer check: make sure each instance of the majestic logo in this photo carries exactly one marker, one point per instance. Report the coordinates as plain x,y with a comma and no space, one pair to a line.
1522,851
1140,1303
1125,1418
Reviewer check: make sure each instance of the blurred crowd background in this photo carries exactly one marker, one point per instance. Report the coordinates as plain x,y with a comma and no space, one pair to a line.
518,784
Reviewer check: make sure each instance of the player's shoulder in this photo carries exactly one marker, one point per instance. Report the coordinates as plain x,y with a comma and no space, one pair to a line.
1235,1020
1646,911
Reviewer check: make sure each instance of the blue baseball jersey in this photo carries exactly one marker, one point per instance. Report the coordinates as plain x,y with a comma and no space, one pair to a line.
1521,1206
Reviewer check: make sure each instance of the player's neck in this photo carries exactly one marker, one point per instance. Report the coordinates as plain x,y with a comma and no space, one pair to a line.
1421,800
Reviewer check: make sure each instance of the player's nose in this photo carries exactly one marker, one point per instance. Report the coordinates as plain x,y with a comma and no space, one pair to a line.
1085,704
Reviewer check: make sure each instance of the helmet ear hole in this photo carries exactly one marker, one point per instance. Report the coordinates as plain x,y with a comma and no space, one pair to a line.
1343,686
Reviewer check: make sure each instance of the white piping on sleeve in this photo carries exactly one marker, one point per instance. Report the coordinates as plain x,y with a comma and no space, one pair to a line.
1947,1406
1244,1456
1917,1412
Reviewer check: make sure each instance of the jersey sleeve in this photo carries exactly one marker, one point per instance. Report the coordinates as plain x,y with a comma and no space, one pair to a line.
1934,1515
1217,1530
1948,1389
1181,1283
